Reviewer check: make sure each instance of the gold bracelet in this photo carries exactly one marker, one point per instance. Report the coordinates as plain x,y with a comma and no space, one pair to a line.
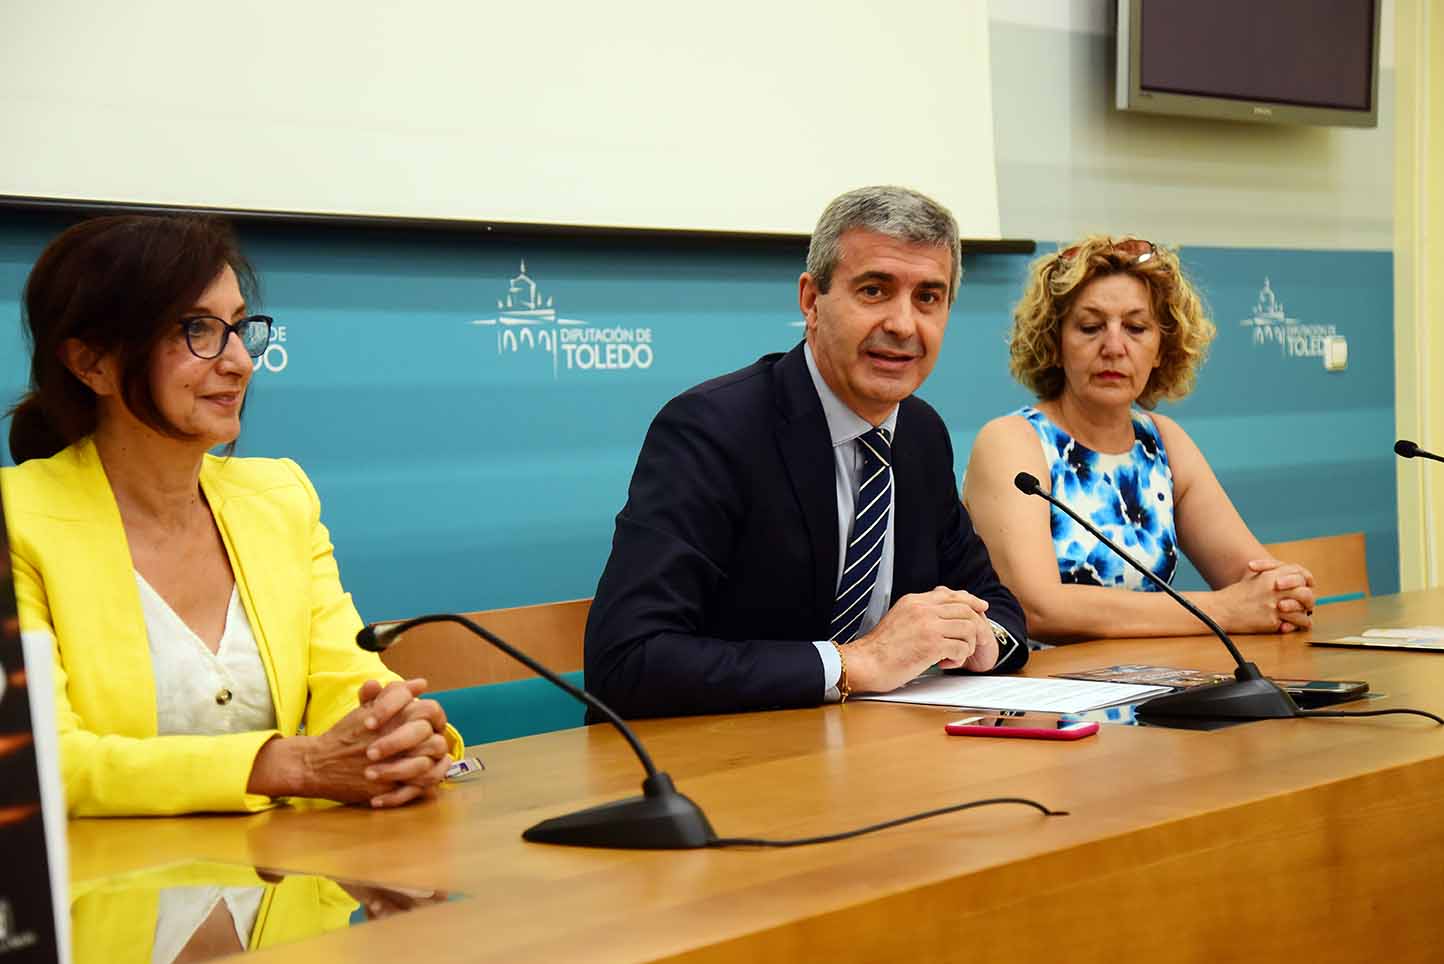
844,690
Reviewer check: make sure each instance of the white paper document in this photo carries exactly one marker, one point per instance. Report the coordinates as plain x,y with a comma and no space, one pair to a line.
1429,638
1407,632
1038,695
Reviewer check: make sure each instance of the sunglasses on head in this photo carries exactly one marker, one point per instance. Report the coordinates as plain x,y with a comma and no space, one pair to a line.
1136,248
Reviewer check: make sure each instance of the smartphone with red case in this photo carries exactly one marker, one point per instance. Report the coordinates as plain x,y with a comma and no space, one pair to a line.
1022,727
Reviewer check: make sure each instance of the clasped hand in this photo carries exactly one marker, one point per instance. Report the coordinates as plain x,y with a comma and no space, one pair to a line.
389,750
392,748
946,627
1272,596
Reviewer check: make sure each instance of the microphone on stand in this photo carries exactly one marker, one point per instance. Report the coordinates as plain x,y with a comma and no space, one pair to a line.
1249,697
659,819
1406,449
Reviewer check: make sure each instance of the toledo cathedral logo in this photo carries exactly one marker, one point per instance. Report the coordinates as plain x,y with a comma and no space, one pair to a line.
527,323
1270,324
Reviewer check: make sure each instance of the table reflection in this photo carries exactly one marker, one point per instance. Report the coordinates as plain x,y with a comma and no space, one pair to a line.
1127,715
197,911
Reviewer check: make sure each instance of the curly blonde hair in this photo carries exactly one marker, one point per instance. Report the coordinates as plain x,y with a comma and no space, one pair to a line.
1054,284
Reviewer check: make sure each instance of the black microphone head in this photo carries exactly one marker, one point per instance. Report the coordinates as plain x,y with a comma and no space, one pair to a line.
1405,449
1027,484
375,637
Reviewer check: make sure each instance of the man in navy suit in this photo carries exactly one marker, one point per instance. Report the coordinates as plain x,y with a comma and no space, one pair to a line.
793,532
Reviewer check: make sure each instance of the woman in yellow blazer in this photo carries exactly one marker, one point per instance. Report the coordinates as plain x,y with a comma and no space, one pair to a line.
142,355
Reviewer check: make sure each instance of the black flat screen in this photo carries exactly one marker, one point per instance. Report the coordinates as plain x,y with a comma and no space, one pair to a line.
1314,53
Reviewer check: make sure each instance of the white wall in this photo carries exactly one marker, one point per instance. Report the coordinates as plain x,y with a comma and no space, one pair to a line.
744,116
1069,163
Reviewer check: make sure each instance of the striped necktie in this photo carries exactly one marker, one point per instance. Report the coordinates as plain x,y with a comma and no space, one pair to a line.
864,542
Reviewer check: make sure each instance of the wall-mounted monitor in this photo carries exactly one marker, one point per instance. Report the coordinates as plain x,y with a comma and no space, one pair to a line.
1278,61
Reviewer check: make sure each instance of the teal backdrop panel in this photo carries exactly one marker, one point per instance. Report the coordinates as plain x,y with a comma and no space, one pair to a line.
471,426
1302,451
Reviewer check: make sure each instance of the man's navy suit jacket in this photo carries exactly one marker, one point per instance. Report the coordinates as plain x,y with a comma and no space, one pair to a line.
724,562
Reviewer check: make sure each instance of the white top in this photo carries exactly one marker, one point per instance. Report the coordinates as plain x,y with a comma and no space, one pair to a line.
200,692
182,910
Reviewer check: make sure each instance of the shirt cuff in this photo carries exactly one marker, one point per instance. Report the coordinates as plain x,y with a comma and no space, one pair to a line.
1007,645
831,670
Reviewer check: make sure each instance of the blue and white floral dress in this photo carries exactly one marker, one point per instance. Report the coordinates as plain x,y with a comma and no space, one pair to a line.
1128,496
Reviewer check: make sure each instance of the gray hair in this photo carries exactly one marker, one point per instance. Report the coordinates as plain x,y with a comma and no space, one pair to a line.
897,212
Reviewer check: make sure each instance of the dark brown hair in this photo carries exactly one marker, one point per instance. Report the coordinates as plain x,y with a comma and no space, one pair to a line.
117,284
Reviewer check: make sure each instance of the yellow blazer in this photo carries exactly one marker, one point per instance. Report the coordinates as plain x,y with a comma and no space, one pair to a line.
75,580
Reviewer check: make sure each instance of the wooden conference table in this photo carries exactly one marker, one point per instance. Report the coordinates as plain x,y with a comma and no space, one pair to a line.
1316,840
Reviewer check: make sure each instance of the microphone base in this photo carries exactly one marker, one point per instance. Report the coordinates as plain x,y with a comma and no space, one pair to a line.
1249,697
660,819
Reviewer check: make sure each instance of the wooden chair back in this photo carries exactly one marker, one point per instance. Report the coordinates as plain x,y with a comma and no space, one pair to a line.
451,656
1338,563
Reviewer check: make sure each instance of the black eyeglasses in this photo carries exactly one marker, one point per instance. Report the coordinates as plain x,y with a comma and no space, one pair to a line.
206,335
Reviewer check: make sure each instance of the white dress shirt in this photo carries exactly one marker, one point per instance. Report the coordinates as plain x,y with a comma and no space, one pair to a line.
846,426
